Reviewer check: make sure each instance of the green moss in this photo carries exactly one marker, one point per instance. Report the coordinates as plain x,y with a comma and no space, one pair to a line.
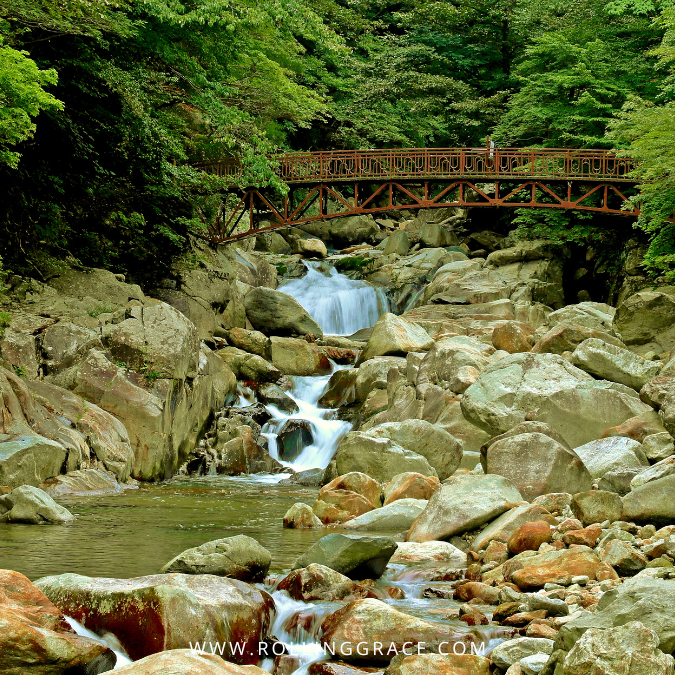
5,320
352,264
105,308
281,268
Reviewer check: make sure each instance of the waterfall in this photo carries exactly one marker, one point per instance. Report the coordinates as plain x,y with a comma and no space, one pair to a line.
341,306
109,640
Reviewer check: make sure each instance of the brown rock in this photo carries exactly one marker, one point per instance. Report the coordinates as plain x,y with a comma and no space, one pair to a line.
410,485
357,482
570,524
529,537
513,337
476,589
341,668
521,619
538,629
340,506
588,536
186,662
318,582
505,610
301,516
637,428
439,664
497,552
472,616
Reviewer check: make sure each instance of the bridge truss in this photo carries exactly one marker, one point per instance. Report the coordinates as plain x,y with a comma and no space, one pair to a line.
325,185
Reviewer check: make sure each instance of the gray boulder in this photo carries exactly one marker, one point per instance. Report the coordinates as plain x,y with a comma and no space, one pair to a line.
239,557
507,653
398,243
398,515
271,311
665,467
658,446
358,557
611,454
394,335
647,320
653,502
30,505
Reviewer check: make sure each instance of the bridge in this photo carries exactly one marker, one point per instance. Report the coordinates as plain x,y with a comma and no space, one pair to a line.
324,185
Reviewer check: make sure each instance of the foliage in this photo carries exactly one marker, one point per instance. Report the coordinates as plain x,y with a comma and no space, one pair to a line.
561,227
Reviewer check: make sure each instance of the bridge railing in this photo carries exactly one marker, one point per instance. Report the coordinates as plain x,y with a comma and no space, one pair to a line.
439,163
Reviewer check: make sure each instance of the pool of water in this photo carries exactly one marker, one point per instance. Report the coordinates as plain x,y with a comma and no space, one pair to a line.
137,532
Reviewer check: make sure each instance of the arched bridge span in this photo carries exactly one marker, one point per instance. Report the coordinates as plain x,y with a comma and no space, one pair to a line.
324,185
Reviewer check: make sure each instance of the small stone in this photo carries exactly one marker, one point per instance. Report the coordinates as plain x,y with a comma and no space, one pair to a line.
581,580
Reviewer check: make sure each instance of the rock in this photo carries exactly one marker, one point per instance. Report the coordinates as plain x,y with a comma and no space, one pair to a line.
30,460
357,482
640,598
596,506
82,483
626,560
373,374
609,362
271,394
64,342
301,516
310,248
341,389
292,356
502,528
358,557
398,516
581,414
567,336
652,502
665,467
464,504
186,662
429,551
470,590
441,450
594,315
554,567
513,337
585,536
397,243
507,653
339,506
537,465
638,428
646,320
618,480
438,664
433,235
515,385
553,606
239,557
30,505
167,611
554,503
318,582
36,638
393,335
379,458
529,537
380,631
410,485
294,436
613,651
609,454
249,367
271,311
658,446
252,341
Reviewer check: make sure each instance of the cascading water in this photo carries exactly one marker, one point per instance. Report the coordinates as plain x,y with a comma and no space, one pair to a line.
109,640
340,305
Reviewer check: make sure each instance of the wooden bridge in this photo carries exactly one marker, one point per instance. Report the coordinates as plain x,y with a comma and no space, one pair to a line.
325,185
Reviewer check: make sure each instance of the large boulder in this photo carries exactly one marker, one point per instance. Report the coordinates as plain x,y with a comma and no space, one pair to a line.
301,516
442,450
609,454
292,356
393,335
581,414
187,662
515,385
410,485
28,504
85,482
239,557
613,363
653,502
462,505
318,582
374,372
646,321
36,637
379,458
511,652
596,506
167,611
271,311
567,336
358,557
641,598
30,460
502,528
537,465
398,515
611,651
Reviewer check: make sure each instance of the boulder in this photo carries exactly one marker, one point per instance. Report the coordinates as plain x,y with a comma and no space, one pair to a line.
438,664
658,446
357,482
272,394
358,557
339,506
397,243
646,320
594,315
239,557
167,611
515,385
507,653
625,559
529,537
611,651
393,335
609,362
36,637
638,427
618,480
373,374
433,235
513,337
462,505
609,454
410,485
271,311
581,414
85,482
301,516
318,582
310,248
665,467
398,516
30,505
341,389
537,465
249,367
567,336
252,341
597,506
641,598
293,437
429,552
502,528
441,450
379,458
187,662
30,460
292,356
652,502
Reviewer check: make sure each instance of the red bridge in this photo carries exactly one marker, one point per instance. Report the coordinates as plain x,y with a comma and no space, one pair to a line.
325,185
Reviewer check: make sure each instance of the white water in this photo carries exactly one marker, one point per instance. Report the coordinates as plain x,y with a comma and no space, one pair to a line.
109,640
341,306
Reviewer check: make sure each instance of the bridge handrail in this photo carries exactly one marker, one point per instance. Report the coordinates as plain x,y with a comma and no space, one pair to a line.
430,163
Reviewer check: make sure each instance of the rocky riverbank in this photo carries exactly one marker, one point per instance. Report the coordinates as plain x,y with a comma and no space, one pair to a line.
495,464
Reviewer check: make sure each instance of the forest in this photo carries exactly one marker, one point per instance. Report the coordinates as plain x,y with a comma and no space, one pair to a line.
105,105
